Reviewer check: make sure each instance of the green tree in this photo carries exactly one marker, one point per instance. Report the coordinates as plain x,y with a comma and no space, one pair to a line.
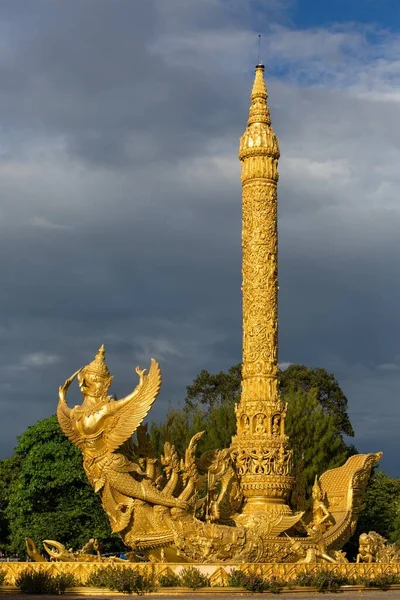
9,469
176,428
314,431
329,394
209,390
313,436
49,496
179,426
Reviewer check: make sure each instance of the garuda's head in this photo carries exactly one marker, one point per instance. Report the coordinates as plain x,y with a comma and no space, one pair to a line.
95,379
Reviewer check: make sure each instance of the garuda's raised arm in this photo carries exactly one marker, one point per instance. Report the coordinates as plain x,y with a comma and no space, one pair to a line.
63,410
127,414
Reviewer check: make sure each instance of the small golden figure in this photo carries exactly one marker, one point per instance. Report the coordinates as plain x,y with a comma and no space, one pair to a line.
276,425
246,424
321,516
260,424
366,549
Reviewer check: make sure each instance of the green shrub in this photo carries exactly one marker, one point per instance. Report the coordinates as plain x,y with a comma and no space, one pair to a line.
123,580
324,581
255,583
193,578
40,582
169,580
305,579
236,578
2,577
69,580
275,586
101,578
381,582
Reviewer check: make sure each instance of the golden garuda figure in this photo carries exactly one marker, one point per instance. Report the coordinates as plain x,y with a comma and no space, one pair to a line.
102,429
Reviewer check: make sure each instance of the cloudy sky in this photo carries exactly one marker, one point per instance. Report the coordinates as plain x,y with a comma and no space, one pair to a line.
120,194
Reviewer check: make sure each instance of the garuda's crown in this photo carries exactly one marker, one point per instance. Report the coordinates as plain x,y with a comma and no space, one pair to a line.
98,365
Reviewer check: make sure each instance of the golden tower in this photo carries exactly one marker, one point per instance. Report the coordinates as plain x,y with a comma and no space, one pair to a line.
263,456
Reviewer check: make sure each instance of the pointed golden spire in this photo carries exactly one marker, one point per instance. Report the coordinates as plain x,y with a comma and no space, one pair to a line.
259,111
98,365
260,413
259,138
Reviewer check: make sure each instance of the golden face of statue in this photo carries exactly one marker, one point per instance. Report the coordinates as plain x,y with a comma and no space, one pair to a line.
363,543
93,384
316,492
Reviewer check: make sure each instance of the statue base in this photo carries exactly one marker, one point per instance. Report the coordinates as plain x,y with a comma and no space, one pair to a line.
217,574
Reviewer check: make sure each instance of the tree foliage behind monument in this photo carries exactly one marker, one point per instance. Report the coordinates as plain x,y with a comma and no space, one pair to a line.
316,421
328,392
209,390
48,496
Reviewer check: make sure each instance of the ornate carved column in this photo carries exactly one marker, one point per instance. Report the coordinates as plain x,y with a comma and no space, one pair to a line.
263,456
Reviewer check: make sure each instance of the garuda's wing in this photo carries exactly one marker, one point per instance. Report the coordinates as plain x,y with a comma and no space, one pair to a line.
127,418
66,423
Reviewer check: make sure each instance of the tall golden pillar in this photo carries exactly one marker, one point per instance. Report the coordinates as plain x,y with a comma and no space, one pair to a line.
263,455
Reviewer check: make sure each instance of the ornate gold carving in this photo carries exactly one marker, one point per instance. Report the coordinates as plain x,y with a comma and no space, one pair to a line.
59,553
322,518
219,578
228,505
374,549
261,450
32,551
101,427
283,571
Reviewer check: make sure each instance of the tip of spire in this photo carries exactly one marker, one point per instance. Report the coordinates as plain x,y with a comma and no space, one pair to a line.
259,112
259,88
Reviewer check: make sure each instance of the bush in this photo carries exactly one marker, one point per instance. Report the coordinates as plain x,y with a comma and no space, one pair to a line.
40,582
255,583
193,578
2,577
236,578
169,580
328,582
381,582
275,586
127,581
100,578
305,579
324,581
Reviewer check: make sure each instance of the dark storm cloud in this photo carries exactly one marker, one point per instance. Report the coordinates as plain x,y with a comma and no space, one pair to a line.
120,202
86,71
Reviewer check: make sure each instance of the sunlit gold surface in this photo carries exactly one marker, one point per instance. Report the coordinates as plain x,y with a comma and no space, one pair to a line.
261,448
58,552
373,548
228,505
218,574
